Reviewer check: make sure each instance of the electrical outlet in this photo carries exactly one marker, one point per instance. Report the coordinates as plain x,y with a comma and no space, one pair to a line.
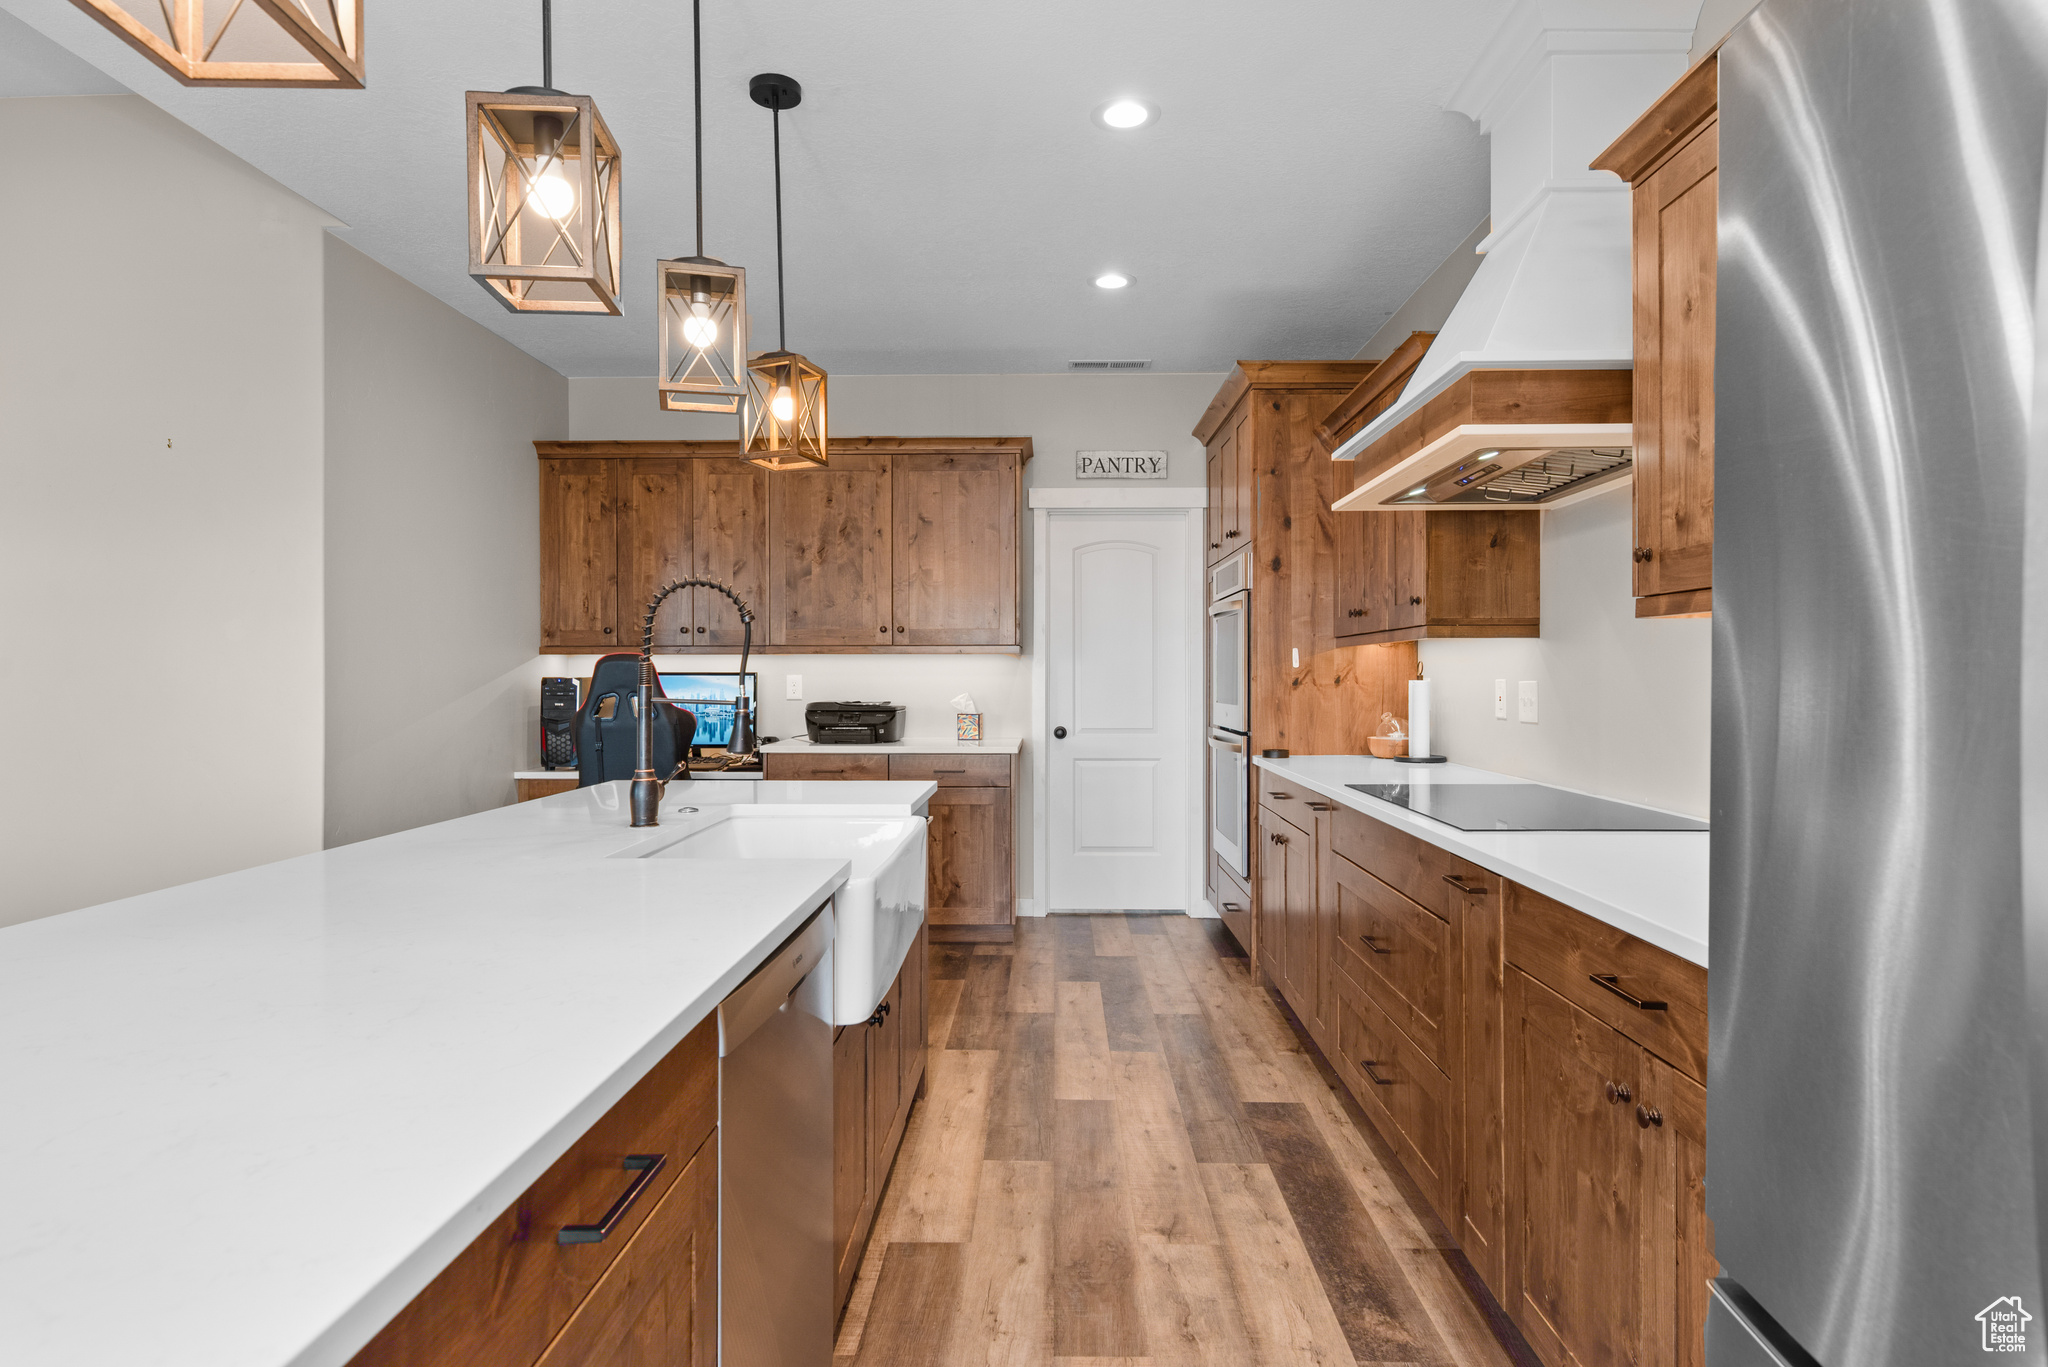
1525,700
1500,699
793,686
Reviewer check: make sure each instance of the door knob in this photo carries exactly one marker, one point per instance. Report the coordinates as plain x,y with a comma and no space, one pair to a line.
1647,1116
1059,733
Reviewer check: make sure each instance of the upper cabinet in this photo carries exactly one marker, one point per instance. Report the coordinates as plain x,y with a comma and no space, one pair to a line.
1231,482
1671,156
1428,575
905,544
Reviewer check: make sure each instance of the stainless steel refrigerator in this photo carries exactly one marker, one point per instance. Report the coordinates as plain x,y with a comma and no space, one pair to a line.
1871,1155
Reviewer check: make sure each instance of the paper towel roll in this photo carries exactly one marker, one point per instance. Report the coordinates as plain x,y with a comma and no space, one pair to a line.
1418,719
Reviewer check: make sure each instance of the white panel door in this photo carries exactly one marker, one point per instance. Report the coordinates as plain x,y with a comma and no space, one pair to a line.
1120,626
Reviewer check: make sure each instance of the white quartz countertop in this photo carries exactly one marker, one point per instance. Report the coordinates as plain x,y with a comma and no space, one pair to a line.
928,745
1652,884
245,1120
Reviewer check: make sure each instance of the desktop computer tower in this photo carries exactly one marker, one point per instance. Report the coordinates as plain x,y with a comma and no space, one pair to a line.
558,723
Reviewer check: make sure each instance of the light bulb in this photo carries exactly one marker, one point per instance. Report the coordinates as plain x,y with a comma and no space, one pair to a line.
699,330
1112,280
783,405
553,195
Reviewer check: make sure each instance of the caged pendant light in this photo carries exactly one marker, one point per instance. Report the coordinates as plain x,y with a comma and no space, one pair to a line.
703,304
784,419
543,195
243,42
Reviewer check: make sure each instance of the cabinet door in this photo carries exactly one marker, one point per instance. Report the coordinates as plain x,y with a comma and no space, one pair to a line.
1576,1182
968,863
657,1305
729,501
1270,907
1351,547
1678,1246
1212,519
579,555
1674,392
1484,568
885,1080
916,1026
1298,850
850,1150
955,557
1480,1072
654,549
1241,469
1407,581
829,544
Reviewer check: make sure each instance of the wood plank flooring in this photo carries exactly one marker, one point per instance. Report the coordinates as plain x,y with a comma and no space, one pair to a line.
1130,1156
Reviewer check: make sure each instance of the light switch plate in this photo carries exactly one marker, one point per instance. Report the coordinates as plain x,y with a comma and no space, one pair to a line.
793,686
1525,700
1500,699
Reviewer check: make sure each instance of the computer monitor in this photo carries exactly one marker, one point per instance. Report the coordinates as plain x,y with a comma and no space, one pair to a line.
710,698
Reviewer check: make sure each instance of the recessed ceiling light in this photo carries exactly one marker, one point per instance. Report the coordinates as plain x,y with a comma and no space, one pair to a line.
1112,280
1125,114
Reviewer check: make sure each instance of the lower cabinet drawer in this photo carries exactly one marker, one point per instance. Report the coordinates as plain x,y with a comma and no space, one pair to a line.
658,1302
1396,951
1233,901
953,771
779,768
1649,994
1404,1094
506,1296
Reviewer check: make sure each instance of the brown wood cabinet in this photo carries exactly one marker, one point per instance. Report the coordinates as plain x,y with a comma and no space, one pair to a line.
877,1075
1539,1073
906,544
971,843
1428,575
517,1296
1671,155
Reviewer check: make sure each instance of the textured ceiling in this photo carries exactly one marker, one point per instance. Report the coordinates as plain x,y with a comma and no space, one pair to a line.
948,196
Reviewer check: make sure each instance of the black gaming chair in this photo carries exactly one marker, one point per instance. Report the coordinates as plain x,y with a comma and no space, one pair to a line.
604,728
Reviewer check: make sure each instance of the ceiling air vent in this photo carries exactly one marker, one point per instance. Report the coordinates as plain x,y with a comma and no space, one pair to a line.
1109,365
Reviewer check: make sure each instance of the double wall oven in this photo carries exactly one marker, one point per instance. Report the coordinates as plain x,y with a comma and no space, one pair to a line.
1230,762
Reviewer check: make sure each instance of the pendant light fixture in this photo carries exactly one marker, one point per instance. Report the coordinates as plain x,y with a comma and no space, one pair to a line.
703,303
243,42
543,195
784,419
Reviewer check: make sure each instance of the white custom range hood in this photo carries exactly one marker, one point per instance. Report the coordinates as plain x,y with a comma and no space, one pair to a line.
1523,399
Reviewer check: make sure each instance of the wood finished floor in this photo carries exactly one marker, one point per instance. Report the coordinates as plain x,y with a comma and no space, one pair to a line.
1130,1155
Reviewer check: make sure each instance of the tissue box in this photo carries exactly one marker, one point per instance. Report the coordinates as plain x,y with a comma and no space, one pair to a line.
967,726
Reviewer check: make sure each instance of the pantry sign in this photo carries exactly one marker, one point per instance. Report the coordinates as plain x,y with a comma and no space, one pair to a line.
1120,465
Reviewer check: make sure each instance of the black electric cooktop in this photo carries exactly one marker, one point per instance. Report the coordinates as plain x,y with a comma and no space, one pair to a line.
1522,807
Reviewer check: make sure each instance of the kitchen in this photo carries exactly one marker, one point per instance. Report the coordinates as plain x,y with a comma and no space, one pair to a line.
968,875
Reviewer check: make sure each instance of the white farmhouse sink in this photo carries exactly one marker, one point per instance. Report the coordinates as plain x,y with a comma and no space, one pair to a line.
879,909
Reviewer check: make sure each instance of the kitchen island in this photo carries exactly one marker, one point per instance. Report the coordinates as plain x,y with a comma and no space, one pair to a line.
247,1120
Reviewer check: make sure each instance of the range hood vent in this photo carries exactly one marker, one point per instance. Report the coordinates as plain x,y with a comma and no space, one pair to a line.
1548,314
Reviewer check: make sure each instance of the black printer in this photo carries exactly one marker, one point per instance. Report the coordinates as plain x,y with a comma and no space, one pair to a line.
854,723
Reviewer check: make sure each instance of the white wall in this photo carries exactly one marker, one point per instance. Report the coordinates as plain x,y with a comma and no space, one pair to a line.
1061,414
160,529
1622,701
433,554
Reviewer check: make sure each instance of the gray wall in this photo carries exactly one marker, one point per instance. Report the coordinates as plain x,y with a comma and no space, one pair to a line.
160,530
433,554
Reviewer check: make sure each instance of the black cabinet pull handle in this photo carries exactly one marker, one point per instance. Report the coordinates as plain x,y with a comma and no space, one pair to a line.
607,631
1414,602
1607,980
1618,1092
1647,1116
1462,886
1233,533
645,1167
881,1014
949,771
1366,1064
1232,906
1372,943
1284,797
1321,807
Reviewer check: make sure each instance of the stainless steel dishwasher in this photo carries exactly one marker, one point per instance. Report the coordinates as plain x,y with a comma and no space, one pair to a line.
775,1158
